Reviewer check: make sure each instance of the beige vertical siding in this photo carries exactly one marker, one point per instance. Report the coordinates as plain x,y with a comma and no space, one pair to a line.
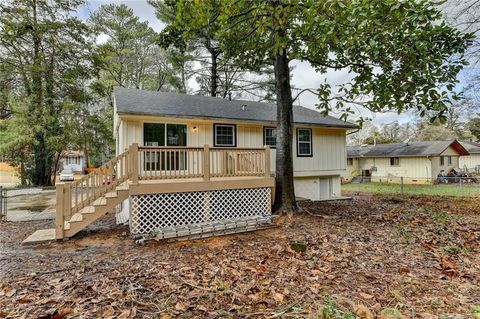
328,159
329,155
353,170
470,162
437,167
410,167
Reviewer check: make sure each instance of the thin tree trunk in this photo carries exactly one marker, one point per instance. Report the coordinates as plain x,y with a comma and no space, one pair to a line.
36,106
214,73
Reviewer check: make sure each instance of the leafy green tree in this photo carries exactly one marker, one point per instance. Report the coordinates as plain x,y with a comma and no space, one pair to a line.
401,54
129,57
47,51
434,132
474,127
216,75
17,137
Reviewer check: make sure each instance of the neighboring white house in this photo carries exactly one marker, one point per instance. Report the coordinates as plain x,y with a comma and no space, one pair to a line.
169,119
414,161
73,161
471,162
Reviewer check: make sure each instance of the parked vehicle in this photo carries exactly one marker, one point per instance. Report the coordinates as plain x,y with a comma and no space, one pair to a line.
66,175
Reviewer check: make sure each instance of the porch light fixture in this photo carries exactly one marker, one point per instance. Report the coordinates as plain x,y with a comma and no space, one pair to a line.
194,129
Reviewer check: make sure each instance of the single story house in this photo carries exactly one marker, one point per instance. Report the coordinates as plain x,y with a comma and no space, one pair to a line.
170,119
194,166
73,161
414,161
471,162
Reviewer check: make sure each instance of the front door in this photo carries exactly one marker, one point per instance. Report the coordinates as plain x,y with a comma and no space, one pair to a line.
160,134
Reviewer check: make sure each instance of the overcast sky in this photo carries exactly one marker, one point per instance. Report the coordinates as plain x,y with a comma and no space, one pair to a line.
303,75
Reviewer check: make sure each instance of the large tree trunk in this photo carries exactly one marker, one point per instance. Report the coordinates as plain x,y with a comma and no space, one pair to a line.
284,186
284,189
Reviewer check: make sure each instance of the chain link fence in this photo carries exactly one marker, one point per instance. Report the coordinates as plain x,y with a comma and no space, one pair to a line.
439,186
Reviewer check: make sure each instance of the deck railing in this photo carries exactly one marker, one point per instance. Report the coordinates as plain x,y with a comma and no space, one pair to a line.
201,162
158,163
72,197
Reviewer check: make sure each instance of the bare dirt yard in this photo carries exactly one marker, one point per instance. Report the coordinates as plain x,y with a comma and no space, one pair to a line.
373,257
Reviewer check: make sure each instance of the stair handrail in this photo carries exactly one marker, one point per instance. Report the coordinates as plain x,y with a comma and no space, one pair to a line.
74,196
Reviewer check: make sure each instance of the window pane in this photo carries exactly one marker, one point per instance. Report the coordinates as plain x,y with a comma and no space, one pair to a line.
176,135
304,135
304,148
154,134
270,136
224,135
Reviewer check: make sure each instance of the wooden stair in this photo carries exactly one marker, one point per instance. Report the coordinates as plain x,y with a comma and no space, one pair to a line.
105,204
83,201
87,215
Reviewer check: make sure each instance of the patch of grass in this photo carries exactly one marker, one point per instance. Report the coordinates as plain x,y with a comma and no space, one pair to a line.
424,189
392,313
475,311
441,217
330,310
451,249
436,303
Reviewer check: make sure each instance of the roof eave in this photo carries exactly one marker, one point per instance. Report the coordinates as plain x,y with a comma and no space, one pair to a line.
346,126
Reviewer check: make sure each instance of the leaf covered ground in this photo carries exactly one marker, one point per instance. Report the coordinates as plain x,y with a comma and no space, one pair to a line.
373,257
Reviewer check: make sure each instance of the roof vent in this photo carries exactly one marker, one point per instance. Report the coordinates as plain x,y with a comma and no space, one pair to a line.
244,107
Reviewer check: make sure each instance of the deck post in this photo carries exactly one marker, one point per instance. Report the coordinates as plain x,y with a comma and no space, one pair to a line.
67,204
134,166
267,161
206,162
59,210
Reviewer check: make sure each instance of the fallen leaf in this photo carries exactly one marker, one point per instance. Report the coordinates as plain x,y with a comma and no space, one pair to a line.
366,296
24,300
181,306
403,270
278,297
363,312
9,292
125,314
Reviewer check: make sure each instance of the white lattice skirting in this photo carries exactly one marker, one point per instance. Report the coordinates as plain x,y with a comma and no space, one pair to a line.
158,213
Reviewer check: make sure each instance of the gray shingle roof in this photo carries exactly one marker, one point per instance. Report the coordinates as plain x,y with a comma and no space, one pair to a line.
426,148
471,147
357,151
142,102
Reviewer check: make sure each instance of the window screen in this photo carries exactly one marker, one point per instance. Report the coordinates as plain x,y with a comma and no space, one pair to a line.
270,136
176,135
304,142
224,135
154,134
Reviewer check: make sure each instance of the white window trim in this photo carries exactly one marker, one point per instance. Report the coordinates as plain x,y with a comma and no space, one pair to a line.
310,154
265,128
234,139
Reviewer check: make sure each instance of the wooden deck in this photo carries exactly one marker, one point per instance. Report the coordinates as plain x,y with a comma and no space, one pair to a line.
154,170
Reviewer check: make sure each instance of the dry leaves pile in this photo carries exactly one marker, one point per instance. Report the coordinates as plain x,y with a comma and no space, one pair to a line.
374,257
